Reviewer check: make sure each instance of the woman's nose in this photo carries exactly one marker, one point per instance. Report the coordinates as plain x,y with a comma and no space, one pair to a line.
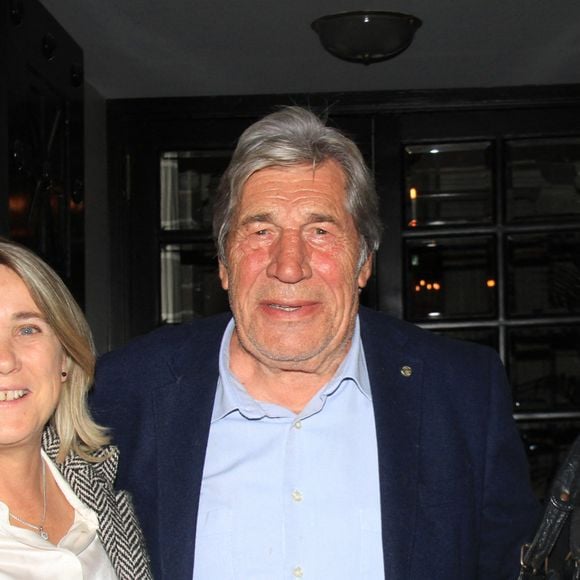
8,357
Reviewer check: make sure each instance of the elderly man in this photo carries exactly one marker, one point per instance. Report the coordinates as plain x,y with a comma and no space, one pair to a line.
305,437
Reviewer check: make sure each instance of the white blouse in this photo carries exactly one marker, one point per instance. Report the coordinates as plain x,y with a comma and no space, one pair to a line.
24,555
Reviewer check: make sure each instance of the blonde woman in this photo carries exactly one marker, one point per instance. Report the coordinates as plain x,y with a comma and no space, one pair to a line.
60,517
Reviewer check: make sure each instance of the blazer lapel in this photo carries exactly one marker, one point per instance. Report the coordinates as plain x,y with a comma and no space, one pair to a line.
396,379
92,483
183,414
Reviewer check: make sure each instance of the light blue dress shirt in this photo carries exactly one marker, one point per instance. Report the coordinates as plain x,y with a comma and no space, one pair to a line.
287,496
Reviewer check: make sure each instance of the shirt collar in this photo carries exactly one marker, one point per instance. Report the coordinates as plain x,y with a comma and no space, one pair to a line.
232,396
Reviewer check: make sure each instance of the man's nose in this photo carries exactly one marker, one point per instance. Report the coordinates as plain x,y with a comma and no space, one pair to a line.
290,259
8,357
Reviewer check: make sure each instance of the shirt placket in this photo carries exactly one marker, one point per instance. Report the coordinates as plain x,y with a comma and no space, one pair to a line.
295,501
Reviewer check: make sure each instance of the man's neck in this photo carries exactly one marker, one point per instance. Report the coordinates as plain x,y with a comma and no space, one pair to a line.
288,384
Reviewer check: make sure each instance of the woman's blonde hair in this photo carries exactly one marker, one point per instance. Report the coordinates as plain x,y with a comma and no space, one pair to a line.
71,419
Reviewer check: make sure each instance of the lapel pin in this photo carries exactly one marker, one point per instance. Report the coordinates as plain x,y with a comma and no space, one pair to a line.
406,371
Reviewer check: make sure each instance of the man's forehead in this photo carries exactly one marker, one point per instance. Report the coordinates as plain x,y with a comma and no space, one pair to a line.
326,180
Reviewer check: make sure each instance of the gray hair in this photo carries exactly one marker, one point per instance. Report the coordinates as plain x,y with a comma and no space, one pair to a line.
293,136
72,421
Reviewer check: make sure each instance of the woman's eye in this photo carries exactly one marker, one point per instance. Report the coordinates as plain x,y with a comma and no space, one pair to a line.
28,330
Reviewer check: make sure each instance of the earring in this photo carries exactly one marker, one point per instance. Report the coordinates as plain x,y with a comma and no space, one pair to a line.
64,374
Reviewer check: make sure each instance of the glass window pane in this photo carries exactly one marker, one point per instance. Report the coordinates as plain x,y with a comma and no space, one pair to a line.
544,368
486,336
448,184
190,285
543,179
188,180
450,278
547,444
44,196
543,274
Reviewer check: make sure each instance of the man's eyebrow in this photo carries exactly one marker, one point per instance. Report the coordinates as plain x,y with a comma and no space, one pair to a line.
314,218
257,217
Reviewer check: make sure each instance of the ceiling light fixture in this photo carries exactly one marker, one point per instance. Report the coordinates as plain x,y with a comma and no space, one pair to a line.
366,36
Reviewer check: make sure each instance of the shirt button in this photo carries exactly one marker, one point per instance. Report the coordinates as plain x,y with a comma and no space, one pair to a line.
298,424
297,496
298,572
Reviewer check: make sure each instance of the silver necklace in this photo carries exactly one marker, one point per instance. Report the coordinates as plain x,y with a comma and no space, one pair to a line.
40,529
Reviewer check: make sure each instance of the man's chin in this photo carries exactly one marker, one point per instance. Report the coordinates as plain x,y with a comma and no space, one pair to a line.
286,356
286,350
286,353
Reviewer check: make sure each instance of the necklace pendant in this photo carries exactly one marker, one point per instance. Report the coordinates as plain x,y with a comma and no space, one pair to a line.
42,533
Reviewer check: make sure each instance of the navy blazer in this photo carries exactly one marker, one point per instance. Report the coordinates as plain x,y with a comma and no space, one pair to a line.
455,496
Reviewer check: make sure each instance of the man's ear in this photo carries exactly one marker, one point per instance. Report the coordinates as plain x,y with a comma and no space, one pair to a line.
365,271
223,273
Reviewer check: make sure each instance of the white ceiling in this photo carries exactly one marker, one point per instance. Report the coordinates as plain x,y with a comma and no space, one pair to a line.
167,48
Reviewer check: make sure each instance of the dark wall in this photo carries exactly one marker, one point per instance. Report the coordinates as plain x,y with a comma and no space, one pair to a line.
97,254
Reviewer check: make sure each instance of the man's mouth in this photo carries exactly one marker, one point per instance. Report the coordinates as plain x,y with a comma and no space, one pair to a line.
284,307
12,395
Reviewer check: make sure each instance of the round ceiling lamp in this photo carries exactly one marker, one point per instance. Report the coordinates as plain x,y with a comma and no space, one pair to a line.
366,37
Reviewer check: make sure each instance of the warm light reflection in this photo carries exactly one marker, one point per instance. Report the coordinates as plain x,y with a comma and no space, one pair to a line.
413,198
17,203
76,207
490,283
429,286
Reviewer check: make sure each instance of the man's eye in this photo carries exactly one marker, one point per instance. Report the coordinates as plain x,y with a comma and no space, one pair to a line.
320,232
261,232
